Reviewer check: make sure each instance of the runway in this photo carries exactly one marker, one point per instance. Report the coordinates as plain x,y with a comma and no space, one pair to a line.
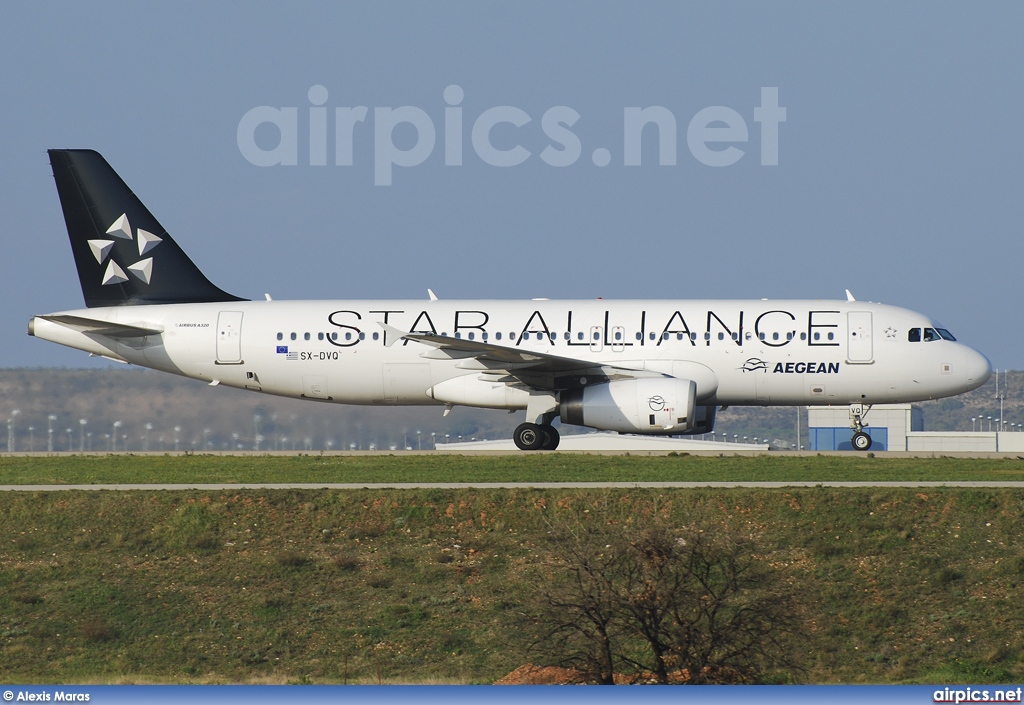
235,487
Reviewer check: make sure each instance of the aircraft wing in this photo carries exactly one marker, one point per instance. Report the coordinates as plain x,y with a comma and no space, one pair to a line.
531,367
106,328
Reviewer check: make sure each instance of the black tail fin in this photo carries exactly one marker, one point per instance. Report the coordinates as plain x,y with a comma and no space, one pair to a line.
123,255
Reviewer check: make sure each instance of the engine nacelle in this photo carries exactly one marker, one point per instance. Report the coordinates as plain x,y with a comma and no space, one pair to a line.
663,405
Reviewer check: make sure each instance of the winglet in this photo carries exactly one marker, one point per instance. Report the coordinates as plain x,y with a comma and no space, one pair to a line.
849,296
391,334
431,294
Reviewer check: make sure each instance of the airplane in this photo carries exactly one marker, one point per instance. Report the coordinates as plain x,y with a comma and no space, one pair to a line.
634,366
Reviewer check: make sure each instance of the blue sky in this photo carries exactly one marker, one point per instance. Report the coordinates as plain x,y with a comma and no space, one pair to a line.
899,172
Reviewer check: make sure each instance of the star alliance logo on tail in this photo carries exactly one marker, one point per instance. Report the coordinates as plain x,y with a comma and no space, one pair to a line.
122,229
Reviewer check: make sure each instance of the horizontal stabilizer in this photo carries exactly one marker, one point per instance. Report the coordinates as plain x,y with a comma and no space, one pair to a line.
111,330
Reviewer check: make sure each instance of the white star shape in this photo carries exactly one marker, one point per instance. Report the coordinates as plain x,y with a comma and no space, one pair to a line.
102,249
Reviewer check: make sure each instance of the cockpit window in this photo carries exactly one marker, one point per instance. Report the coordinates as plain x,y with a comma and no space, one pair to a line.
930,335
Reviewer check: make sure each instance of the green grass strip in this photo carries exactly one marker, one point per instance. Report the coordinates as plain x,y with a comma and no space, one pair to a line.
101,469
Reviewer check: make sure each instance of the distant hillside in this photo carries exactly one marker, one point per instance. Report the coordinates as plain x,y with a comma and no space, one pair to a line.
229,418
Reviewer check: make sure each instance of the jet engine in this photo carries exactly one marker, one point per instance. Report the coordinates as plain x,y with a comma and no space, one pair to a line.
664,405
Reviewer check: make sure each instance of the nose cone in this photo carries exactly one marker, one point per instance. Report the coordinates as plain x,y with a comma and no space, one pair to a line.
978,369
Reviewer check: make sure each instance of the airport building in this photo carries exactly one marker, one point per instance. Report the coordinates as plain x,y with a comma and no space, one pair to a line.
901,427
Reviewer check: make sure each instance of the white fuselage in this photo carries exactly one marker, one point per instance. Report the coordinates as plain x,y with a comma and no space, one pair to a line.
738,352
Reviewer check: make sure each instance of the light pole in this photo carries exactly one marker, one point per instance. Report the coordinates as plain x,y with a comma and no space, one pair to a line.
433,440
113,436
145,436
31,438
973,427
177,430
81,434
206,442
49,432
418,445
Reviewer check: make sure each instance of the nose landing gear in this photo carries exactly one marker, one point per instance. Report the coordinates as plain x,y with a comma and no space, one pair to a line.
860,440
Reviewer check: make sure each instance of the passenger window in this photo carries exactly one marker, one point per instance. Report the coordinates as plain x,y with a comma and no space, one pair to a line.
707,335
789,336
280,336
320,336
484,335
665,336
567,336
579,336
803,336
761,336
334,336
376,336
597,336
817,336
721,336
735,336
472,336
653,335
831,336
693,336
679,336
775,336
639,336
362,336
497,336
294,336
348,336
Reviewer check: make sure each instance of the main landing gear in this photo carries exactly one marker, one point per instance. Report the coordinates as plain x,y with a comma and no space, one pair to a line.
538,433
532,436
860,440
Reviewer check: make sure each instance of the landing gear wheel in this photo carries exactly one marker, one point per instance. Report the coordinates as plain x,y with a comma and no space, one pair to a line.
861,441
528,436
551,437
